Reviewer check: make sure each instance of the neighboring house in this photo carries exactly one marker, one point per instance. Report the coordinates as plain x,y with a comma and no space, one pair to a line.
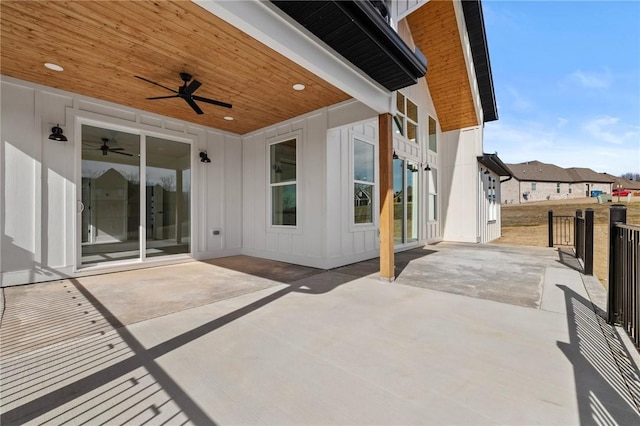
121,162
537,181
622,183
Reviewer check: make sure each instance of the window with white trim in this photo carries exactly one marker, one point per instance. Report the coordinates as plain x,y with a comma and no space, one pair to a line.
283,182
405,122
432,176
491,195
433,142
363,181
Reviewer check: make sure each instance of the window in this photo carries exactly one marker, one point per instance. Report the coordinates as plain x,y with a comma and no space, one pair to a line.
569,188
405,121
432,176
557,188
533,186
363,181
433,142
491,196
283,183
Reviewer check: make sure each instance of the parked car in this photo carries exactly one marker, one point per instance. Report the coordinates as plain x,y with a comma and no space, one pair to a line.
621,192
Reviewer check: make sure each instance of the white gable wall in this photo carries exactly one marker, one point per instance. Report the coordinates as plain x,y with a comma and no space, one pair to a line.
459,177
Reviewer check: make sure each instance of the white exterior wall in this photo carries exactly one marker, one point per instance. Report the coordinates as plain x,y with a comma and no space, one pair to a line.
513,191
304,244
40,178
459,150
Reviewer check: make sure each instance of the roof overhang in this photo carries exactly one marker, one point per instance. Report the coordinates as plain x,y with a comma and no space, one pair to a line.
359,32
453,37
474,20
495,164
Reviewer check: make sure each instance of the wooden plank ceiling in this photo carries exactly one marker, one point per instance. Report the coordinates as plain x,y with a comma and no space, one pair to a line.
102,45
435,32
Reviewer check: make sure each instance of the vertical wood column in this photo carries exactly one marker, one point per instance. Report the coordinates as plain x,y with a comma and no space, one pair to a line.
385,153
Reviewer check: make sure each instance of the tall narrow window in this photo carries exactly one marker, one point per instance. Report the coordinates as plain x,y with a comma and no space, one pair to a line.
283,183
533,186
433,194
558,188
363,181
433,142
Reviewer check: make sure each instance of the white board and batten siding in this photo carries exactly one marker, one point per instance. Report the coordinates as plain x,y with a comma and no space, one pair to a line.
325,236
40,180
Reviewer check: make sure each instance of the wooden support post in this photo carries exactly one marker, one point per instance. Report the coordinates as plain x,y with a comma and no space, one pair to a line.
385,153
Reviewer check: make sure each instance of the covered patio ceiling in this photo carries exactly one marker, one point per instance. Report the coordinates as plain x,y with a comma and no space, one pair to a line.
103,45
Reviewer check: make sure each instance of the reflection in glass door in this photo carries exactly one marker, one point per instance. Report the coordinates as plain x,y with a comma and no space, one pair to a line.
110,195
114,206
168,197
398,201
405,201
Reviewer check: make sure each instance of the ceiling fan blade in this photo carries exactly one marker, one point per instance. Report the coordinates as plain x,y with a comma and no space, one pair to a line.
192,87
193,105
116,149
165,97
153,82
121,153
212,101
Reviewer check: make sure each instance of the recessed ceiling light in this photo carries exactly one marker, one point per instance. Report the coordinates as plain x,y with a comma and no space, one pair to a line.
53,67
298,86
228,118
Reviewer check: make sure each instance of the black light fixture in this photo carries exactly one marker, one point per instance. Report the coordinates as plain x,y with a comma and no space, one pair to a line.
427,168
395,156
204,158
486,172
56,134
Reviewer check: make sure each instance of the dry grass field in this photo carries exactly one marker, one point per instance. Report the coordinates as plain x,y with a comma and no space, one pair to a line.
526,224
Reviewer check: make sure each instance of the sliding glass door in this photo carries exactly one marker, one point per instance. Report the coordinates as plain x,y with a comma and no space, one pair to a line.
405,201
120,220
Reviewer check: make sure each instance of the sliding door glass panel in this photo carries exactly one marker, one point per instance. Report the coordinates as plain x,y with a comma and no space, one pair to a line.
398,201
412,202
110,194
168,197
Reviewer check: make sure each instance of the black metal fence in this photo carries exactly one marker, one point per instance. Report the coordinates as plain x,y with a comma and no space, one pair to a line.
575,231
623,305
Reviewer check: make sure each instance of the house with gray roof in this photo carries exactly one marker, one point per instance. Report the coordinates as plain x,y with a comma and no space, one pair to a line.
538,181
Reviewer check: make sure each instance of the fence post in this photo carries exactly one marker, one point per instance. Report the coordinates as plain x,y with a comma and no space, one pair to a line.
550,228
577,246
588,242
617,214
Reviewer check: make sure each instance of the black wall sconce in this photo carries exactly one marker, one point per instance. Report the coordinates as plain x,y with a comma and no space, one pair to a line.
427,167
204,158
395,156
56,134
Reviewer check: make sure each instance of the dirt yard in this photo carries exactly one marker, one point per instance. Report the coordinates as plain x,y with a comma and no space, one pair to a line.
526,224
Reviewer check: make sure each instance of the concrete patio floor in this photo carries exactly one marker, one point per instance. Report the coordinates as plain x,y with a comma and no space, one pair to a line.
467,335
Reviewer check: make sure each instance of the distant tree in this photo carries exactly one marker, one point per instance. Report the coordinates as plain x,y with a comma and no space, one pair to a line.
631,176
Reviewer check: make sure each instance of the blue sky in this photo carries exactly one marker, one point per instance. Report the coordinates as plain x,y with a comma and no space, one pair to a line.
567,83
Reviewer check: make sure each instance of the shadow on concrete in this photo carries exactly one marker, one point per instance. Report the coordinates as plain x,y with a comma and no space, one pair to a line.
606,378
568,258
90,368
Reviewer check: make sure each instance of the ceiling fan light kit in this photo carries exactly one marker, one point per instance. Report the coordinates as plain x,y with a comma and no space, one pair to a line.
186,92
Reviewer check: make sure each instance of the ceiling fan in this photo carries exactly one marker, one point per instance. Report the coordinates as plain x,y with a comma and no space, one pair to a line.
106,149
186,92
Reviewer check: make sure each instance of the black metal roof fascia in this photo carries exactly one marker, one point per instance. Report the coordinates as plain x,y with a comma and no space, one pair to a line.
495,164
479,50
395,67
